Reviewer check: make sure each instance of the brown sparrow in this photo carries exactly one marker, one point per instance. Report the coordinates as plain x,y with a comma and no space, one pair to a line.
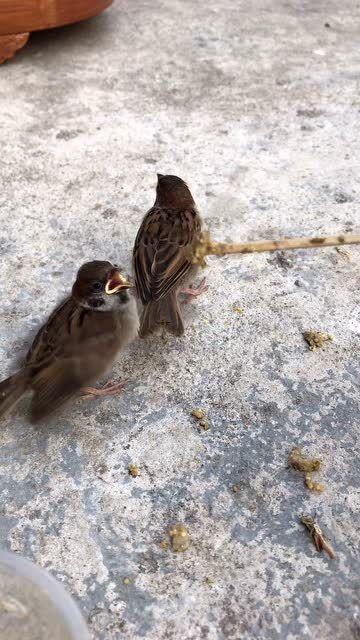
162,255
78,342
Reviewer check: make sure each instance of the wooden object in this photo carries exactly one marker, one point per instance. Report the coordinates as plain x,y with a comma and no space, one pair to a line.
19,17
208,247
10,44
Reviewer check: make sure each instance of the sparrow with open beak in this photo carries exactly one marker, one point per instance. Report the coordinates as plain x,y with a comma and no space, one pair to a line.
78,342
162,256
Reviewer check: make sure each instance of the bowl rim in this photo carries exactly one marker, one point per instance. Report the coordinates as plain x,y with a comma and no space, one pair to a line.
56,593
40,16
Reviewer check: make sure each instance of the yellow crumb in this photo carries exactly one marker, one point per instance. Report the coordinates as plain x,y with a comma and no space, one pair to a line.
316,339
180,540
133,470
238,310
199,414
313,485
204,424
300,463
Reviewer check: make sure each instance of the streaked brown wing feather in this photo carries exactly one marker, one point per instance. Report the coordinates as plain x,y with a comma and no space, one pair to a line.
73,348
58,382
53,335
162,250
53,386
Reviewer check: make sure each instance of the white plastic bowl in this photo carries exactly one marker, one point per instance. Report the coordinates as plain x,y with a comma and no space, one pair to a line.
33,605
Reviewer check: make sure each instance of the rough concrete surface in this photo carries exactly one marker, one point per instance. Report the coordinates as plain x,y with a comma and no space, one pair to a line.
256,104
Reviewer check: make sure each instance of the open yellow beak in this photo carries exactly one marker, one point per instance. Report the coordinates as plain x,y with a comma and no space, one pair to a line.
117,283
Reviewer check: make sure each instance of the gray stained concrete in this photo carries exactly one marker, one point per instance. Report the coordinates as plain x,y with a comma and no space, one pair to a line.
256,105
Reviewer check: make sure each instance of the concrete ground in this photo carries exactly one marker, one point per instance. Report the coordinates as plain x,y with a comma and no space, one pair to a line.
255,104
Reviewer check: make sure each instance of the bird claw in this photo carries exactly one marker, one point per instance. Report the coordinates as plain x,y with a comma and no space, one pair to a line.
194,291
108,390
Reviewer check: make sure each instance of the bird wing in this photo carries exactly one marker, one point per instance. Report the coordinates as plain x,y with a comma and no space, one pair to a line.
162,251
70,350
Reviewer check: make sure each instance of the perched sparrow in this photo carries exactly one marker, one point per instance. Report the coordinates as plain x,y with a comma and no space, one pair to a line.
162,255
78,342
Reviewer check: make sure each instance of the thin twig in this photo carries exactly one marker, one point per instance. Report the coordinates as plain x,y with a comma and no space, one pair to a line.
208,247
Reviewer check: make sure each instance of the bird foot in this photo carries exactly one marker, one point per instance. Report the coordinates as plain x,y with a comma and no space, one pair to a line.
193,292
108,390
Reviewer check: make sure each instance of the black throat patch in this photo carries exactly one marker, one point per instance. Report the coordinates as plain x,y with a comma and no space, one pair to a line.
95,303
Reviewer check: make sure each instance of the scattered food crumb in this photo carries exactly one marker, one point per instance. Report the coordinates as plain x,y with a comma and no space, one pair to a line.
317,536
238,310
307,466
133,470
313,486
180,540
126,581
164,544
209,582
198,414
316,339
204,424
235,488
298,462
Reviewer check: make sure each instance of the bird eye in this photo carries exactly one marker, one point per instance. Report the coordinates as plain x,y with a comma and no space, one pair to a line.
97,286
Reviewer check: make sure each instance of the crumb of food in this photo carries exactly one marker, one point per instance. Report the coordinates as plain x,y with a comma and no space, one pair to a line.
235,488
204,424
133,470
238,310
164,544
300,463
307,466
209,582
199,414
179,536
316,339
126,581
312,485
320,541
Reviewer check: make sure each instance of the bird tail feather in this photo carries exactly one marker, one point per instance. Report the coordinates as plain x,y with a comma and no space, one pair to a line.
162,313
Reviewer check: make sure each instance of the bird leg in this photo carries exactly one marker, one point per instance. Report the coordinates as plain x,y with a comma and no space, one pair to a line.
108,390
194,291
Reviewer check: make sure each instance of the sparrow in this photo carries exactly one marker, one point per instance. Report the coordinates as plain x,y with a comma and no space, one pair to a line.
162,255
78,342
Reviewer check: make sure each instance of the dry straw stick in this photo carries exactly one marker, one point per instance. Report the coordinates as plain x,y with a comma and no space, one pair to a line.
207,247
